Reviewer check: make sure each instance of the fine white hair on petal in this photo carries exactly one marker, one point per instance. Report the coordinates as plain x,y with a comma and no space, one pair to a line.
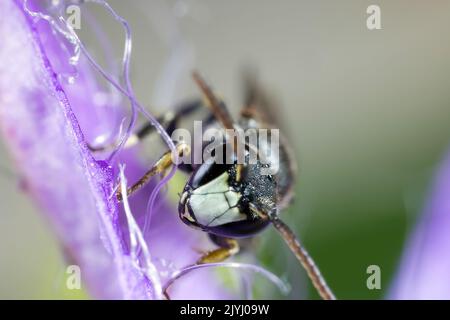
282,285
128,90
67,34
70,34
137,241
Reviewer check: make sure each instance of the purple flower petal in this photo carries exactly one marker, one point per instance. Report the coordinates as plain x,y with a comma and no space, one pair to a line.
424,269
46,121
57,168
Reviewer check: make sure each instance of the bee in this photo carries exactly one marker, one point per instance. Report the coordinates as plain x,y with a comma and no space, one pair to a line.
233,200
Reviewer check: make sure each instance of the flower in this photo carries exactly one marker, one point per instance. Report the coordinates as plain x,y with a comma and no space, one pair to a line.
423,271
49,109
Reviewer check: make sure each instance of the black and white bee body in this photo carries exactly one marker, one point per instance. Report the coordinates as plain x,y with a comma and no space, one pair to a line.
233,200
221,205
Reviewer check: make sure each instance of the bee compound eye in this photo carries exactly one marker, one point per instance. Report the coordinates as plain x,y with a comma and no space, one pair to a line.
206,173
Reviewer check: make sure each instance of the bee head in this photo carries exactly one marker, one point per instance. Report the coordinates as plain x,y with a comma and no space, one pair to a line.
216,201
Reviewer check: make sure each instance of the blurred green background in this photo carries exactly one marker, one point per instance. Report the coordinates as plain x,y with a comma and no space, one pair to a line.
366,111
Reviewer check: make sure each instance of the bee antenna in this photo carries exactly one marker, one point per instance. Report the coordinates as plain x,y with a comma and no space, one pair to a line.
217,107
300,253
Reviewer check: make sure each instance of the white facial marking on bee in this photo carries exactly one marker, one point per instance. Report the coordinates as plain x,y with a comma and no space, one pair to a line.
215,203
187,215
183,197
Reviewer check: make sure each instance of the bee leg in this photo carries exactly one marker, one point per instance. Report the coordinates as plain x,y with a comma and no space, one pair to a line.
171,119
159,167
228,247
168,120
